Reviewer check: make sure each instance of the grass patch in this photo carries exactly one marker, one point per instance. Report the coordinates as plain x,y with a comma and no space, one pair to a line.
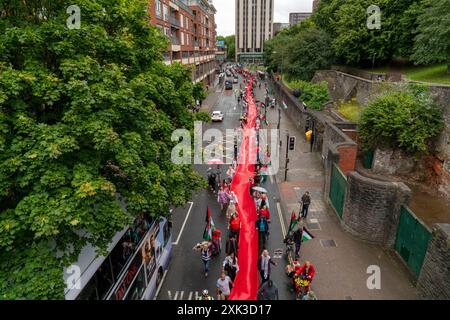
433,74
351,110
429,74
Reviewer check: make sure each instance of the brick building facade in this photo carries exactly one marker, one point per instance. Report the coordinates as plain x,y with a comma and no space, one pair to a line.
191,28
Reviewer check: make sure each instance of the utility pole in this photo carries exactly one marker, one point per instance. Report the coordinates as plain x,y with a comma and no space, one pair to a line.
287,157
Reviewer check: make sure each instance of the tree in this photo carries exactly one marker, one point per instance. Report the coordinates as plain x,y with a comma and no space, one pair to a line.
314,95
86,118
230,42
277,49
405,119
432,43
308,52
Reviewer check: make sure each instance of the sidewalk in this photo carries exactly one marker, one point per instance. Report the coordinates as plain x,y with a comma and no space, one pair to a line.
340,260
212,98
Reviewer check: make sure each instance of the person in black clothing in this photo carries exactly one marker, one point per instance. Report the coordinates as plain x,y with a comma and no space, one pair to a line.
297,238
306,201
232,245
212,181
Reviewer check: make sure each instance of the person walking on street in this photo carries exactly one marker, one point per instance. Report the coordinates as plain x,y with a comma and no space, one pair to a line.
222,198
232,246
264,265
263,229
235,225
306,272
205,296
306,201
230,266
297,238
264,212
212,182
268,291
205,249
223,287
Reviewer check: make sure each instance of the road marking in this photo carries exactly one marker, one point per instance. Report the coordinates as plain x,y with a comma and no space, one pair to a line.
160,286
283,227
184,223
180,294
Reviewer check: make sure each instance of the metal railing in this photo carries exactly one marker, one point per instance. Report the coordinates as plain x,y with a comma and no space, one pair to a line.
175,41
175,22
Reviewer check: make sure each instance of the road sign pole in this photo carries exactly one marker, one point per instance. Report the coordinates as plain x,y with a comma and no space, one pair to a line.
287,157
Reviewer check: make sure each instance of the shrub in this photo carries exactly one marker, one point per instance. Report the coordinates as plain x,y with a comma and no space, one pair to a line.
403,119
314,95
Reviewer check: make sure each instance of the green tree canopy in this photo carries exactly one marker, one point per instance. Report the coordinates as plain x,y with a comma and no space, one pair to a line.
432,43
308,52
86,116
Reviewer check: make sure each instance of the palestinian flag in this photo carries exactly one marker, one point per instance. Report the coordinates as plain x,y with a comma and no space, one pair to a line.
306,235
293,222
207,234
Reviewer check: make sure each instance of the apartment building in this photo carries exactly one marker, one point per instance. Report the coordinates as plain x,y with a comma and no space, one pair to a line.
191,28
278,26
297,17
254,22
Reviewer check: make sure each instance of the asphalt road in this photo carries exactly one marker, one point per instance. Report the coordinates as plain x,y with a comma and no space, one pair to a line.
185,279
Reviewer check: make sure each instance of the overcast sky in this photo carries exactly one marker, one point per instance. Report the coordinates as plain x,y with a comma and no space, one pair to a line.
226,12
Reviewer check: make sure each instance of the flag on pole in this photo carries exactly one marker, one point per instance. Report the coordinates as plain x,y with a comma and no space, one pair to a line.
207,234
293,222
306,235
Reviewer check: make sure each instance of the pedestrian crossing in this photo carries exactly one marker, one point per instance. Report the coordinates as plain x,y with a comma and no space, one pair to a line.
182,295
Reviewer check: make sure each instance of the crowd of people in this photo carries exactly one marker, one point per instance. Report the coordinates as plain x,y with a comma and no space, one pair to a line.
228,202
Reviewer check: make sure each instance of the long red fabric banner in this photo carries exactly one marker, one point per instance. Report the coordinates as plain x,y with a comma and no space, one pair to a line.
246,282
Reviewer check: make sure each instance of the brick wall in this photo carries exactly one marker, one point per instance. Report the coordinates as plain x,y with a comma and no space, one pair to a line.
347,159
434,279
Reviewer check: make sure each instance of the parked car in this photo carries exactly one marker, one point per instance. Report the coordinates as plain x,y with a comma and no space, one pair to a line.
235,79
217,116
228,85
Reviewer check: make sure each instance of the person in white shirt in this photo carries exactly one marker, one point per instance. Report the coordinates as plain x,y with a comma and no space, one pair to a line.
230,265
223,287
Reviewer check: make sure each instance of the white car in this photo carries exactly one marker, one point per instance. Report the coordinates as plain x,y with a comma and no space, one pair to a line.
217,116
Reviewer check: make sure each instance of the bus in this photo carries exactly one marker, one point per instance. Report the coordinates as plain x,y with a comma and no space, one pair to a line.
139,255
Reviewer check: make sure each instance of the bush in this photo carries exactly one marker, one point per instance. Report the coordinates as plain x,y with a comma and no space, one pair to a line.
314,95
403,119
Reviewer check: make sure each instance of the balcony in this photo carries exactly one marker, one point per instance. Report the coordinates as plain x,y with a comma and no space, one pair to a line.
175,22
175,40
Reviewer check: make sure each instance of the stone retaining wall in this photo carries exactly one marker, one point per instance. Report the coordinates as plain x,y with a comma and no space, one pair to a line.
434,279
372,208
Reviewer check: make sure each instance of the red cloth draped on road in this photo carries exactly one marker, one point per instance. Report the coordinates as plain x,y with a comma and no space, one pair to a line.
246,283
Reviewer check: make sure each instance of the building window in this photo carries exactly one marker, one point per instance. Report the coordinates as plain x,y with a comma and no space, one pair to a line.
158,8
182,38
166,13
181,20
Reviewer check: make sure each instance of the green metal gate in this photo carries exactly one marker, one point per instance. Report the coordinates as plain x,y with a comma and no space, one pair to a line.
337,189
412,240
